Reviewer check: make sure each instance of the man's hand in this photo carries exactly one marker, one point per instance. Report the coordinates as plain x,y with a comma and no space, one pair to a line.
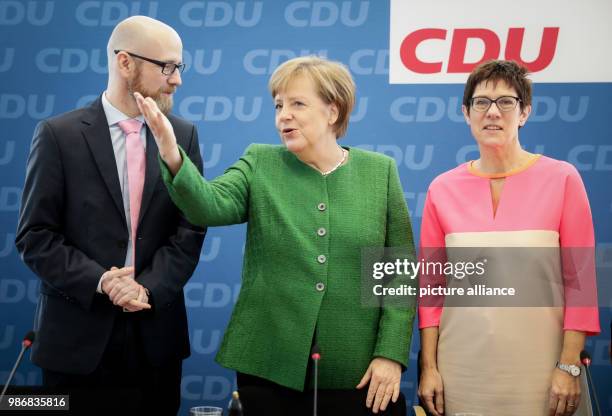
114,273
142,302
162,130
123,290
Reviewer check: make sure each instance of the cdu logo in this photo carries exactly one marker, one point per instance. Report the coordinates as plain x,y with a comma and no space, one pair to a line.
211,337
360,110
220,108
220,13
15,106
419,200
9,246
265,61
35,13
85,100
410,157
9,198
7,337
7,57
8,153
71,61
109,13
369,62
209,388
211,249
17,290
196,61
546,108
586,157
426,109
427,46
462,39
326,13
211,156
210,295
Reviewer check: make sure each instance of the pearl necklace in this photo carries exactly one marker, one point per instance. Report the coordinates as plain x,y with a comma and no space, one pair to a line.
344,152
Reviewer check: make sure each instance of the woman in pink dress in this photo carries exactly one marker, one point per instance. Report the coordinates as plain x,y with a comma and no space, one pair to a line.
493,360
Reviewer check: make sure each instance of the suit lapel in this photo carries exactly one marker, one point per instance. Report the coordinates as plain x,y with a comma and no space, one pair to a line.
97,135
152,175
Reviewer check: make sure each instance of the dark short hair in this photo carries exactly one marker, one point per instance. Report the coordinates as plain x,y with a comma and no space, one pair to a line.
510,72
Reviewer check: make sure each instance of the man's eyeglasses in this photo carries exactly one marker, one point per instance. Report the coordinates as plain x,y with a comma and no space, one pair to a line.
168,68
505,103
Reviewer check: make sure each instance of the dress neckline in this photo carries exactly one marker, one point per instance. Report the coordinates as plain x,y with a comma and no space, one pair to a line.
530,162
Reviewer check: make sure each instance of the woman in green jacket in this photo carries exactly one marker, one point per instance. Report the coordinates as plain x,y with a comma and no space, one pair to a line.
311,206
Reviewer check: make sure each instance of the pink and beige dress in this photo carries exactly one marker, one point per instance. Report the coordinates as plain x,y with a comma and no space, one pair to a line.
499,360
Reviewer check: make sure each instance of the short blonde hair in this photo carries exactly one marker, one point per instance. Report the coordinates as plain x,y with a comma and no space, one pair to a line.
332,79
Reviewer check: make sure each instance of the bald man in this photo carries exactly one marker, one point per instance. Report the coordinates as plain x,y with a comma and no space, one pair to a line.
112,251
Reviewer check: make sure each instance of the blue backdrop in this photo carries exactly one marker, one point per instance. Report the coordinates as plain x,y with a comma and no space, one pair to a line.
53,59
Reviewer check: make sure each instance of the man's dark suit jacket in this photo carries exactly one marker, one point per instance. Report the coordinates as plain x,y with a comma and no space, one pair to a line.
72,228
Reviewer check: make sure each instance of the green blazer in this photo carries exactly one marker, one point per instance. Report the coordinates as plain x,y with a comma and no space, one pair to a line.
301,275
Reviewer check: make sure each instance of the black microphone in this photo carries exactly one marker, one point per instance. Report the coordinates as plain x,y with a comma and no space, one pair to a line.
585,359
27,342
315,354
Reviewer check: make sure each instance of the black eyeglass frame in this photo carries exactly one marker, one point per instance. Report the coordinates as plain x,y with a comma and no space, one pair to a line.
518,100
162,64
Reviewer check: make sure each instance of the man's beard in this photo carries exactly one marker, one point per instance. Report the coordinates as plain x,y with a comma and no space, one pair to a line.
164,101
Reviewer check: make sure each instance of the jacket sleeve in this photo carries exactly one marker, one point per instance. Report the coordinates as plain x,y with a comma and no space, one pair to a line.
174,263
396,321
222,201
39,239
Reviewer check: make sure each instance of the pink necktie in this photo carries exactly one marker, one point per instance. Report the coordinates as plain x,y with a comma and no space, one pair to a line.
135,155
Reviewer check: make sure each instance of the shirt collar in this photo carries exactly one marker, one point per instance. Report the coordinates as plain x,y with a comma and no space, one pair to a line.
113,114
